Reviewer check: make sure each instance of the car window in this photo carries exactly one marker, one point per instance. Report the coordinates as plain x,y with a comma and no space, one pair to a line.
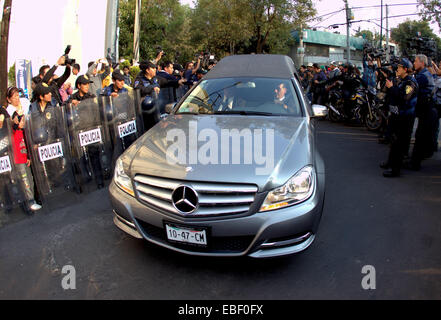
265,96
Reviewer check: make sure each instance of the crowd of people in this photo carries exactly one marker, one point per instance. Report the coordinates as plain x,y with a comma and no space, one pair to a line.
169,81
411,90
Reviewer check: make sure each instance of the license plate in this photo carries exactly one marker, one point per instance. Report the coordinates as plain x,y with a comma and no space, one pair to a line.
186,235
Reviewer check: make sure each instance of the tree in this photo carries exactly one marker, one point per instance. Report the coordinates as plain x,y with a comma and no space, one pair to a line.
272,20
163,23
218,27
431,10
366,34
236,26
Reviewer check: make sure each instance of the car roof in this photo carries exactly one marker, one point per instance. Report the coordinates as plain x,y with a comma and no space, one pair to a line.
253,65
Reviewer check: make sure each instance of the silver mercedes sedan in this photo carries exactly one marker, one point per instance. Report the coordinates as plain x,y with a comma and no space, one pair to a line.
233,170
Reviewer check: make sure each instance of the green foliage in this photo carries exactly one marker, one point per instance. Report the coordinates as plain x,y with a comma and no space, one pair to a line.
134,71
221,27
430,10
11,75
162,24
366,34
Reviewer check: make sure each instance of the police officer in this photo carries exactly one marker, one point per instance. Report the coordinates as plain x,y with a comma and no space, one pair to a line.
93,151
169,84
148,85
403,100
117,86
146,80
83,85
47,128
426,113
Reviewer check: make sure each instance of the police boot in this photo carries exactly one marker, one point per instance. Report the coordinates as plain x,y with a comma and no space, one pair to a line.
384,165
391,173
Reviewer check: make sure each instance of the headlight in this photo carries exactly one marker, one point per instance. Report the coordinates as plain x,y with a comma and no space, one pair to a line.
122,180
298,189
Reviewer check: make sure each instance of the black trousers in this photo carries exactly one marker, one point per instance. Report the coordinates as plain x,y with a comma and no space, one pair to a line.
424,136
93,154
401,128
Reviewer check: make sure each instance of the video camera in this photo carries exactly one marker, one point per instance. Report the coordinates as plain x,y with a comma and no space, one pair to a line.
66,56
159,50
423,45
206,57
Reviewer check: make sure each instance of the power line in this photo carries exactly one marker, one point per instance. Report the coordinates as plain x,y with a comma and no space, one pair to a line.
377,19
390,5
327,14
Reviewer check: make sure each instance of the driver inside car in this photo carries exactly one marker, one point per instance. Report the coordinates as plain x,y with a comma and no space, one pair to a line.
282,98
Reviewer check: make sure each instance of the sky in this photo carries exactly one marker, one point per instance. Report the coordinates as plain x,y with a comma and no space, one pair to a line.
36,37
327,6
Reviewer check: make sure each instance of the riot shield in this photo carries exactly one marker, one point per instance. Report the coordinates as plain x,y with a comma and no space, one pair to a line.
138,109
123,121
48,144
11,187
150,111
91,148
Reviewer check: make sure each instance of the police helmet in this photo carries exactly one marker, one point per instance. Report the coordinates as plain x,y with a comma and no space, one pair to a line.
148,104
405,63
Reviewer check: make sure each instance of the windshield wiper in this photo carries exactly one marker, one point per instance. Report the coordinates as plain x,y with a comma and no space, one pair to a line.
245,113
186,112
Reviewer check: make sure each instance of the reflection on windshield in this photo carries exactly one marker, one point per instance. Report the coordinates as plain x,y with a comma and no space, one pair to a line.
244,96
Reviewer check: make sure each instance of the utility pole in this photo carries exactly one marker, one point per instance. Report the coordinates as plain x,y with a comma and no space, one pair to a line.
302,48
348,42
381,26
7,7
136,32
111,41
387,35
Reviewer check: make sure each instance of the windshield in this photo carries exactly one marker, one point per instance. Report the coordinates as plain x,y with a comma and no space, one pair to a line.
245,96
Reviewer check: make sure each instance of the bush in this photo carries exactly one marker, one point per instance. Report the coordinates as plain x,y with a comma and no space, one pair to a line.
134,71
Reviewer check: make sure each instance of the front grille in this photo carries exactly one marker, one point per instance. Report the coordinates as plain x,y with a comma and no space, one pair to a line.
215,244
215,199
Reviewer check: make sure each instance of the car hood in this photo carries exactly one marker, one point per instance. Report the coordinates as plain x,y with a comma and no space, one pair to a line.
277,147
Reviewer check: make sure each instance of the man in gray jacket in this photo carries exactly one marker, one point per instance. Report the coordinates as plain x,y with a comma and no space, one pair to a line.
97,78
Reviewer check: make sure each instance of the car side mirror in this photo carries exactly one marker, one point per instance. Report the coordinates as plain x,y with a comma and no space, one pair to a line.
169,107
319,111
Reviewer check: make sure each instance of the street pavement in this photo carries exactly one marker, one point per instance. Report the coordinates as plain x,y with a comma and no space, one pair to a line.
392,225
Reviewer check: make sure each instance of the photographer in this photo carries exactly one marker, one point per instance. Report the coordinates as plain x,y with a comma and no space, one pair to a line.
97,78
55,84
403,100
369,76
190,73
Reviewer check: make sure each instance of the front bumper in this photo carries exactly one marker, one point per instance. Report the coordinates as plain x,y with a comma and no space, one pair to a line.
260,235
